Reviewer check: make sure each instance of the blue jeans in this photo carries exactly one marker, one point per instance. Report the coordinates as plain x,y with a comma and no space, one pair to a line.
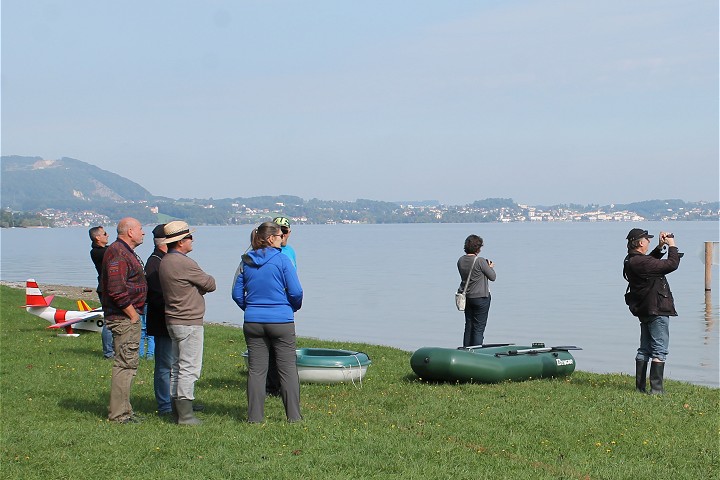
187,348
144,336
476,315
107,342
163,365
654,338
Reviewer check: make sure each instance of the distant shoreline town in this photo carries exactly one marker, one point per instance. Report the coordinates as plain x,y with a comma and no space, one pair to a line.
235,212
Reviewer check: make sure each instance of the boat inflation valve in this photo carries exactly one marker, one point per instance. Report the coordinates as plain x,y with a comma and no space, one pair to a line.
427,360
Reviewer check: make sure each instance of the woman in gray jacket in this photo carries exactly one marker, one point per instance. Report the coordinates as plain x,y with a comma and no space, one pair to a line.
478,292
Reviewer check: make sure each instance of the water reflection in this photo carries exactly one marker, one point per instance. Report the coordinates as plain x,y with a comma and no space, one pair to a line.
710,317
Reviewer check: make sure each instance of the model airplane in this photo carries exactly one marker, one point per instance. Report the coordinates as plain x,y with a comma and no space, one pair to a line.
83,319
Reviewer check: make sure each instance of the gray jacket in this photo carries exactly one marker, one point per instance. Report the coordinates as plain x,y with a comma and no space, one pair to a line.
482,272
183,285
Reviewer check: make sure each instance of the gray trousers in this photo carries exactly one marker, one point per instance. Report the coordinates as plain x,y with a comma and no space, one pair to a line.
260,339
187,351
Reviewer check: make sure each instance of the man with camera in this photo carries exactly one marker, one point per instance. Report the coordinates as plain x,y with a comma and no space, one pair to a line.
649,298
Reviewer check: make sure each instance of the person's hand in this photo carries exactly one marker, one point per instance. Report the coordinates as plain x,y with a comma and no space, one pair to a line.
667,238
491,264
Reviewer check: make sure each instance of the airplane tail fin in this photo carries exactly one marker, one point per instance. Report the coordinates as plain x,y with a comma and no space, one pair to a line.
82,306
33,295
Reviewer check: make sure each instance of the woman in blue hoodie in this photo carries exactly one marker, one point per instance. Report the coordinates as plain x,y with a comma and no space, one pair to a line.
267,288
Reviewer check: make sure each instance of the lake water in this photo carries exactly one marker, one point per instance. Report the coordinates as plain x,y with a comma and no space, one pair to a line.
558,283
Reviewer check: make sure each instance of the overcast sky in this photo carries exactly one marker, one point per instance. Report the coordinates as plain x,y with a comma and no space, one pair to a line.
544,102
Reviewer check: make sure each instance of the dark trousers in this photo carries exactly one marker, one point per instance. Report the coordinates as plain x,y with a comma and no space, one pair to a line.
476,315
272,384
261,338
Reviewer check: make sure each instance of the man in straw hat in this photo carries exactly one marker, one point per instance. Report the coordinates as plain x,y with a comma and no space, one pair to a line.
124,290
183,285
649,298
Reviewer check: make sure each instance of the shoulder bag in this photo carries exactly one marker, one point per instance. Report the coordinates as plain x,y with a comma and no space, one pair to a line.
460,297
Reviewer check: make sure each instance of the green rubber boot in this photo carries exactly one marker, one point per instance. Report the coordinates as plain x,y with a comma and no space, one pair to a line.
185,413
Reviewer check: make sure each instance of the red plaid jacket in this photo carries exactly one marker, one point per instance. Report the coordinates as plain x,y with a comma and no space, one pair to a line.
122,280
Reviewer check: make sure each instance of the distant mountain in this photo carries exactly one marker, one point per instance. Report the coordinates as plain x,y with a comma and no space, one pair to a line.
81,194
33,184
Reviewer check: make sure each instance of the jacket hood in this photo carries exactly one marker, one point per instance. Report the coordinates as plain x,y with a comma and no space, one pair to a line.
260,257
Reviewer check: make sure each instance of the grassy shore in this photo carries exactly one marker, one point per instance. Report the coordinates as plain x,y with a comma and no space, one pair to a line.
55,392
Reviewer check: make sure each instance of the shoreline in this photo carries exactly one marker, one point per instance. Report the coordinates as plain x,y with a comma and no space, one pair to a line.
68,291
80,293
88,294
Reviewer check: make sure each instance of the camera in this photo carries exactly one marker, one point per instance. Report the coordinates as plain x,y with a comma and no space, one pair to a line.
670,235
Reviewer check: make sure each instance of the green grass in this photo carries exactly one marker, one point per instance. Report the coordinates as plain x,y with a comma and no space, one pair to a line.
588,426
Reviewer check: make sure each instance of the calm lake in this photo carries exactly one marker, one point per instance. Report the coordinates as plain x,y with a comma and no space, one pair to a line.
558,283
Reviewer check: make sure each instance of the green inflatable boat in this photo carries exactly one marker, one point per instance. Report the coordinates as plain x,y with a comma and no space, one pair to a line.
493,363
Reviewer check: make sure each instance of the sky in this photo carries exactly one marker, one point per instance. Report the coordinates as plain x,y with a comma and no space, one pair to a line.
545,102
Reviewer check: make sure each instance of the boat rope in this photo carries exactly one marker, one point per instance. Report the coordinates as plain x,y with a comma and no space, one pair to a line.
350,368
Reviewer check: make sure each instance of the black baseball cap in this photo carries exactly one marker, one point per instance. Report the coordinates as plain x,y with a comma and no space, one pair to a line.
159,231
637,233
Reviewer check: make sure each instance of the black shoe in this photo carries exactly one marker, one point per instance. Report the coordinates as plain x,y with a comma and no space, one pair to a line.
128,420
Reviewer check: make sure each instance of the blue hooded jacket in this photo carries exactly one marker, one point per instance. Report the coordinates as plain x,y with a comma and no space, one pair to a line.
267,287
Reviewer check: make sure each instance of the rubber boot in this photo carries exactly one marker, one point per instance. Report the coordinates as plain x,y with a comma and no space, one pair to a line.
657,370
641,375
185,413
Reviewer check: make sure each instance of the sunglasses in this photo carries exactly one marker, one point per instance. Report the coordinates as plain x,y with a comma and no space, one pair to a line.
189,237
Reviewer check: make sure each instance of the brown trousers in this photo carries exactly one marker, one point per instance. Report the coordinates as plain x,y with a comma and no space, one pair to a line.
126,339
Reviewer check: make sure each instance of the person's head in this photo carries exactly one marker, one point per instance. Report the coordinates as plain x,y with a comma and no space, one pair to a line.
638,240
473,244
98,235
284,224
178,236
130,231
159,237
268,234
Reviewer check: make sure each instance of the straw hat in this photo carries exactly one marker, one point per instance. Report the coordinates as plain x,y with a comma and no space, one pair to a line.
175,231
